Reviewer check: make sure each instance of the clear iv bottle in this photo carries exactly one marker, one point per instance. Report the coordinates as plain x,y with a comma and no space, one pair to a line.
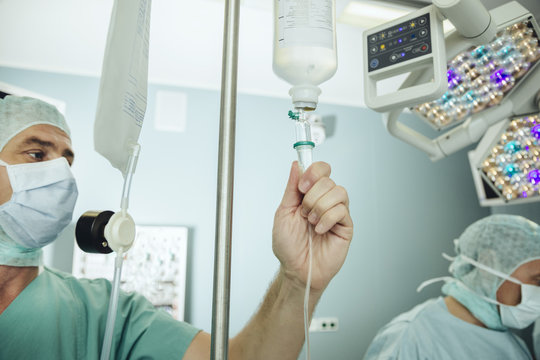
304,47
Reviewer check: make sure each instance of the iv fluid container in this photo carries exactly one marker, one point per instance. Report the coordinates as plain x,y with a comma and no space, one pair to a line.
124,82
304,46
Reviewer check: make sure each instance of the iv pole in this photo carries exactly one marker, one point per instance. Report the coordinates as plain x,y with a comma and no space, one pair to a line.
222,255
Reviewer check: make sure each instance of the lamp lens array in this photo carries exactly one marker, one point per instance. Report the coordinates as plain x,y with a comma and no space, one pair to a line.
481,77
513,165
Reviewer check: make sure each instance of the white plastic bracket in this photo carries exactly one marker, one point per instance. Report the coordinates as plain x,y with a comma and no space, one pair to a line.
458,138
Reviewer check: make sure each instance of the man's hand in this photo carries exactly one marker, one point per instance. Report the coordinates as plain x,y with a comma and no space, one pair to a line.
276,330
312,199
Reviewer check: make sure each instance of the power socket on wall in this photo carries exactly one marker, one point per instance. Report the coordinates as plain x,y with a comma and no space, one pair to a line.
324,324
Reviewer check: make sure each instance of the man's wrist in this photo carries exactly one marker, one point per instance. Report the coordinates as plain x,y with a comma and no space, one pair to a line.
289,281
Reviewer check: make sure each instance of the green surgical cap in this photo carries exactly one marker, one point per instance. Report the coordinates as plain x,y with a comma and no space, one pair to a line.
19,113
502,242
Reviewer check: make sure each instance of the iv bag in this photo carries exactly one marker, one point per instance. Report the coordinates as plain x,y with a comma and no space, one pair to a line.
304,41
304,46
124,82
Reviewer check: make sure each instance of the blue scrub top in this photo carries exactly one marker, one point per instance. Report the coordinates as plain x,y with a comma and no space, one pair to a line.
429,331
60,317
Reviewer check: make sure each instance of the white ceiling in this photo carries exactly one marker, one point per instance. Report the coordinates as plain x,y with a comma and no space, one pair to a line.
68,36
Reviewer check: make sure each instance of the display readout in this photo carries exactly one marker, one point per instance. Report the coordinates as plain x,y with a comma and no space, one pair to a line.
405,41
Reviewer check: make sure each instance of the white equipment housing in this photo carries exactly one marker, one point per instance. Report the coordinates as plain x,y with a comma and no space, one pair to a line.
411,43
520,101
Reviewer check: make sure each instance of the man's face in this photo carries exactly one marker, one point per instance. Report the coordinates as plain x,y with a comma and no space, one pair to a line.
35,144
509,293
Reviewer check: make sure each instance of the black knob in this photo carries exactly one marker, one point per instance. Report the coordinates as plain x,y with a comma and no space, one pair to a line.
89,232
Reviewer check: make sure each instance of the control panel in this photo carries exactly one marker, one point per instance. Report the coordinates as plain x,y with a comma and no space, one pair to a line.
405,41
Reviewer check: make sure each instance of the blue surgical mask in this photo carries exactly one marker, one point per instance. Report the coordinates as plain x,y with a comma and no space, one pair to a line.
44,195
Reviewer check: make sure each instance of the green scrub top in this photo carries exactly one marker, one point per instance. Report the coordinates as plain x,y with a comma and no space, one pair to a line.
60,317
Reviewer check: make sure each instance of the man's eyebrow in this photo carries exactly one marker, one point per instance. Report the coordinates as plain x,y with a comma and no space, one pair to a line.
36,140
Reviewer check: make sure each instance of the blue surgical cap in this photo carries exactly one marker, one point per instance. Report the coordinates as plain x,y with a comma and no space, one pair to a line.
502,242
19,113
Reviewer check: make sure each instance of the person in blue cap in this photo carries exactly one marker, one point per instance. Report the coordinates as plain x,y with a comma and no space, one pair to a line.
47,314
494,286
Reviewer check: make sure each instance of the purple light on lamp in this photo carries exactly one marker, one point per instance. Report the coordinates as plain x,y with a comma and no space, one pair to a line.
400,29
535,131
499,77
400,41
453,78
534,176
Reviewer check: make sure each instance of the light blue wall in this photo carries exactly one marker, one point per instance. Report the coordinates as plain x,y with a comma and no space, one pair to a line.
406,209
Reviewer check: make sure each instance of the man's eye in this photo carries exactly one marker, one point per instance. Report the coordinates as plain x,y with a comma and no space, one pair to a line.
37,155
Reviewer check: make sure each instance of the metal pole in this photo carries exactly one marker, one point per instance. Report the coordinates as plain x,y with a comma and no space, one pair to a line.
222,257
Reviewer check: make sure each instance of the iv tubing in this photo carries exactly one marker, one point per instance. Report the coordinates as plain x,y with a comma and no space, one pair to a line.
113,307
132,163
304,147
306,294
113,301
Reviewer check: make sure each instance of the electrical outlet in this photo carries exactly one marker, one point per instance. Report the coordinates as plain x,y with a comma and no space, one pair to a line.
324,324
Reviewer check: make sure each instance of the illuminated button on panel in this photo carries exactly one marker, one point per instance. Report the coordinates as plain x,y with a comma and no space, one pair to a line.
396,56
398,43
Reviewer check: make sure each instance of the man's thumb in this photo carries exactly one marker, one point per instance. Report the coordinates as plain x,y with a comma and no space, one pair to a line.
292,196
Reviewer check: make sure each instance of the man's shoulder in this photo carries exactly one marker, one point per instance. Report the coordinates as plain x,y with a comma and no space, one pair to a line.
399,338
58,276
68,286
418,313
409,325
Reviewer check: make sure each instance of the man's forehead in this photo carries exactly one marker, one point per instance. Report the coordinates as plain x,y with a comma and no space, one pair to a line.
43,132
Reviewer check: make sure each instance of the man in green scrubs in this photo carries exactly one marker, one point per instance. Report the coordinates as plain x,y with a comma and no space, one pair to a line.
47,314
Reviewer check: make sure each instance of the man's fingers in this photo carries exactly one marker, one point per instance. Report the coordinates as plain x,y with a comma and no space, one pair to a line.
324,195
313,174
338,215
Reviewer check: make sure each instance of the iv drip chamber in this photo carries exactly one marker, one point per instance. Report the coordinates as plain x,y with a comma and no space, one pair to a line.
304,47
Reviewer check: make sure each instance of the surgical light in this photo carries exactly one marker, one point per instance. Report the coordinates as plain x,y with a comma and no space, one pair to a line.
490,72
512,166
483,76
506,164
